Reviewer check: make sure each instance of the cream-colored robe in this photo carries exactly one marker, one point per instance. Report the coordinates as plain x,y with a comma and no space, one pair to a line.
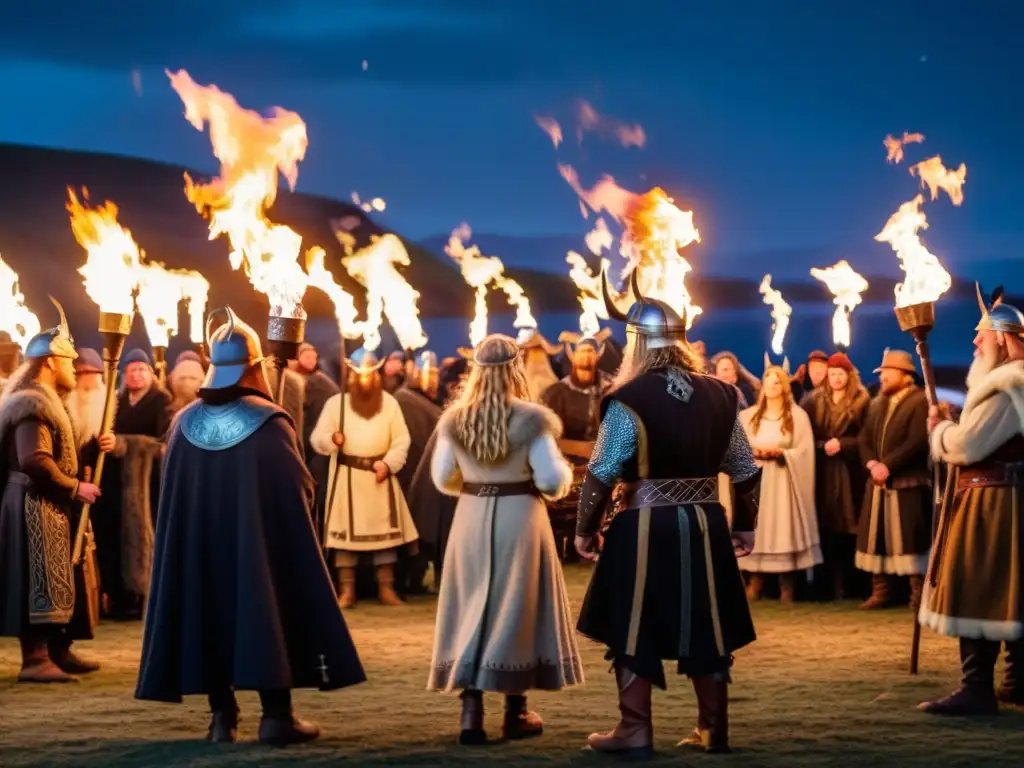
787,538
367,525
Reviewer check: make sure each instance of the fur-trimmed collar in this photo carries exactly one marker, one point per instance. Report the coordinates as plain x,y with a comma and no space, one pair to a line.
27,399
1008,378
527,422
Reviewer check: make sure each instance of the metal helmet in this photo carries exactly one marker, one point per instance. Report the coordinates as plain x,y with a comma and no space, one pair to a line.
364,361
234,348
427,361
999,316
655,320
53,342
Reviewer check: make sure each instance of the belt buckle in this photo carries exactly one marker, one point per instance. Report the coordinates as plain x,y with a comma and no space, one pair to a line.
488,490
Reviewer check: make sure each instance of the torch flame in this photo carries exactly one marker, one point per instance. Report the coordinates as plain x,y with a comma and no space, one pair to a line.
252,150
655,230
926,278
551,127
159,292
15,318
111,271
387,292
344,306
780,313
590,297
936,176
481,271
894,146
846,287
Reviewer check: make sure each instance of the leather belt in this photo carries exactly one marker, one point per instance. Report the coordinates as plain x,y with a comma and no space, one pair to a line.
492,490
648,494
990,475
364,463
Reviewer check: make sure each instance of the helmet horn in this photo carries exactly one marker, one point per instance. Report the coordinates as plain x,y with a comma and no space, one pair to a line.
63,327
997,296
232,319
634,285
609,303
981,300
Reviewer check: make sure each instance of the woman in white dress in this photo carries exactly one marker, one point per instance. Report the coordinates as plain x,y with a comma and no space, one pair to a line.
503,618
787,539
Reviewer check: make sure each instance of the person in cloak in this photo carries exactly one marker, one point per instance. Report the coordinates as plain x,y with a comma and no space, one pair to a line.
41,602
503,618
975,585
241,599
366,509
894,534
811,376
293,399
318,389
666,585
185,379
421,416
125,516
537,352
425,377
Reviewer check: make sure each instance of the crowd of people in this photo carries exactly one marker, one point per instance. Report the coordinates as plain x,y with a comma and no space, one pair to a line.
222,516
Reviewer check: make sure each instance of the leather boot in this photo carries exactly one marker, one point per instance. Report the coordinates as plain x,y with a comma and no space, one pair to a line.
916,589
787,588
712,732
223,717
68,660
520,723
346,587
36,664
279,727
755,585
879,593
975,695
386,585
1012,689
633,737
471,723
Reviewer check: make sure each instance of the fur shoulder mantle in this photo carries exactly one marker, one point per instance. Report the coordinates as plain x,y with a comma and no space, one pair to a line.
33,401
527,422
1007,379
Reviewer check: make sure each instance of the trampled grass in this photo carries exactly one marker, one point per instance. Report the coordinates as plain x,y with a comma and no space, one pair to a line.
823,685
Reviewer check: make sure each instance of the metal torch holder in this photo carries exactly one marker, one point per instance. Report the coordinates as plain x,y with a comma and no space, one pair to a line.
114,329
160,364
284,335
918,320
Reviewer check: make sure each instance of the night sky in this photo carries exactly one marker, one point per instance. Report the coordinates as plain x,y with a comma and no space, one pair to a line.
765,117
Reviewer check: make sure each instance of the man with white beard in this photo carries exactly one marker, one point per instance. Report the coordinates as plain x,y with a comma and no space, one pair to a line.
85,402
973,589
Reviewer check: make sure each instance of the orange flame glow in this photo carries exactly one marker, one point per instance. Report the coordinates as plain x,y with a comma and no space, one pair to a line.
846,287
252,150
160,291
589,119
15,318
780,313
926,278
605,195
480,272
344,307
936,176
111,271
551,127
894,146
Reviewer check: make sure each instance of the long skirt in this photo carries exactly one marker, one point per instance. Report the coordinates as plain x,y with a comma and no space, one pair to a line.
503,619
690,606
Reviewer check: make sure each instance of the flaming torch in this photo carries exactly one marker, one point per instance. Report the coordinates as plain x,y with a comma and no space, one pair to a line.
253,150
846,287
15,318
111,277
160,290
780,313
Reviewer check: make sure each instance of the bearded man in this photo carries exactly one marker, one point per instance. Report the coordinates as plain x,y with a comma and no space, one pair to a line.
894,532
125,517
86,402
241,599
667,584
974,586
368,444
576,399
39,601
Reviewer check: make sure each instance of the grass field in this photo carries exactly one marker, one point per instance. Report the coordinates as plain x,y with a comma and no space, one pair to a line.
823,685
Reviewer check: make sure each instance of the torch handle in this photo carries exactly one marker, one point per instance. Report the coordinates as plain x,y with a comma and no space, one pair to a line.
111,356
927,372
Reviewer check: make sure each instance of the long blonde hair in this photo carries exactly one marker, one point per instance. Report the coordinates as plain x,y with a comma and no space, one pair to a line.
787,401
484,406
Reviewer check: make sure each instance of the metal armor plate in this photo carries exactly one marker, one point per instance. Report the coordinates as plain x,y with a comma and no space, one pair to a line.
219,427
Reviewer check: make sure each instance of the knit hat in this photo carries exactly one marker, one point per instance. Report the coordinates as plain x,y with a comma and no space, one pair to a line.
188,354
136,356
817,355
88,361
840,360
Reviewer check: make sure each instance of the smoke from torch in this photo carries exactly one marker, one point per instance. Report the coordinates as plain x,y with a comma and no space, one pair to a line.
846,287
780,313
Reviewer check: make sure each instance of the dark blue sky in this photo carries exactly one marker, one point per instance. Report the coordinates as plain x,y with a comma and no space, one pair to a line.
765,117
